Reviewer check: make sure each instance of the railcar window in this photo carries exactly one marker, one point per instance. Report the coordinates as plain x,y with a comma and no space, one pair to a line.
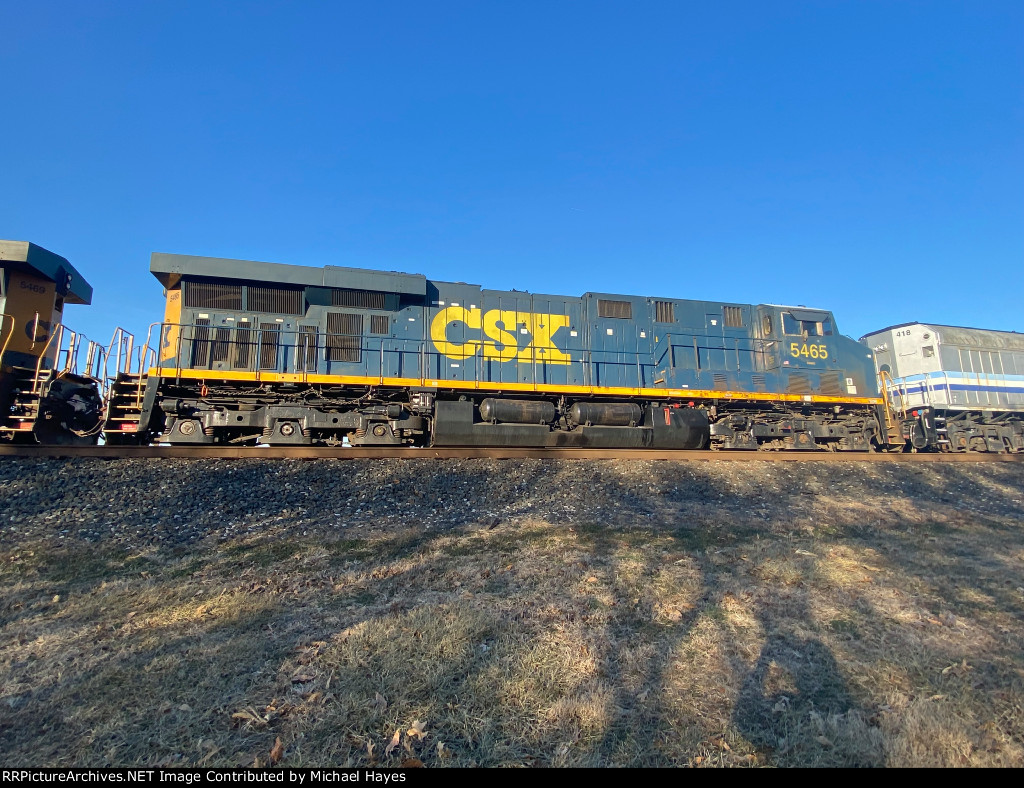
733,316
617,309
766,325
664,312
826,327
928,351
790,325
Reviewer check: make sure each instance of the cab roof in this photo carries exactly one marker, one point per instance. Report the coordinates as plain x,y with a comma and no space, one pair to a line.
35,260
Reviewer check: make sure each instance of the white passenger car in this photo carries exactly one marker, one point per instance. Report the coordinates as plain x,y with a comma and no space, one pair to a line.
956,388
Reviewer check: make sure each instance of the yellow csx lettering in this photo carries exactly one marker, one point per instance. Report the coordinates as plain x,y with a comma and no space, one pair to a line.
500,327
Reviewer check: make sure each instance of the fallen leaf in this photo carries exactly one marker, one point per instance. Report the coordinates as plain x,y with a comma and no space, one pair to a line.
302,678
394,742
417,730
380,701
250,715
369,748
823,741
277,751
443,751
699,760
591,579
412,763
937,697
184,707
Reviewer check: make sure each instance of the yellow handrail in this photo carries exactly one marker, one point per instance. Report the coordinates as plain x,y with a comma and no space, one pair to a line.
7,340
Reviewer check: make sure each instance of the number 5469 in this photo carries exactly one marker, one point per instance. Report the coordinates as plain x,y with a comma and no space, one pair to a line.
796,350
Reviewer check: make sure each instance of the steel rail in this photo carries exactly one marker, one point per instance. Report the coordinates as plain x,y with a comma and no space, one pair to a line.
470,453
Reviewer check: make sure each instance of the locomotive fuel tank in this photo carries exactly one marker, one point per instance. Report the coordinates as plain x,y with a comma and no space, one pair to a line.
615,414
517,411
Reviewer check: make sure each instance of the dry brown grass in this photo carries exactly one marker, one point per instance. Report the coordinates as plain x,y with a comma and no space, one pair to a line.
833,631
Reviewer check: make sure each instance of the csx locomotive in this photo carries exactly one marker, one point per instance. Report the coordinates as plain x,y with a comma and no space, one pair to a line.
264,353
253,352
44,397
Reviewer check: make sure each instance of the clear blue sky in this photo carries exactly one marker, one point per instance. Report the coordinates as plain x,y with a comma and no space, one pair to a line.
862,156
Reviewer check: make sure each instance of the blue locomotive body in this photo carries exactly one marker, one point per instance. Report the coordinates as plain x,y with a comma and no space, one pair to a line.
274,353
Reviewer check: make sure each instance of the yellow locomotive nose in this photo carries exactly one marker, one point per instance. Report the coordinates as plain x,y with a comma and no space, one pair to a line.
38,401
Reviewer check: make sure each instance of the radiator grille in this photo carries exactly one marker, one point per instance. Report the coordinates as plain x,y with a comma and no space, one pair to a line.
305,357
276,300
664,311
243,345
270,335
733,316
221,345
798,383
211,295
201,343
344,336
380,324
831,384
617,309
360,299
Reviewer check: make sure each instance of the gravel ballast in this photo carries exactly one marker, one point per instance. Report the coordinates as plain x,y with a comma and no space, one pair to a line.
140,504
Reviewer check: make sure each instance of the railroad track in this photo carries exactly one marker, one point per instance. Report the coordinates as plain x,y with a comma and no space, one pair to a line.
376,453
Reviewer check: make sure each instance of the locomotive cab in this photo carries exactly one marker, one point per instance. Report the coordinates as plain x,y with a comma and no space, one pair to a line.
43,398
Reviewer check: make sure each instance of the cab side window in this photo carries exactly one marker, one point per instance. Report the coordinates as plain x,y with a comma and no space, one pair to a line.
790,325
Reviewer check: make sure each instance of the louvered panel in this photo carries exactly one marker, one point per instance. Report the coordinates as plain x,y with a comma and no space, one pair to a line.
201,343
221,345
622,310
798,383
276,300
832,384
360,299
307,351
344,336
664,312
211,295
733,316
380,324
243,345
270,338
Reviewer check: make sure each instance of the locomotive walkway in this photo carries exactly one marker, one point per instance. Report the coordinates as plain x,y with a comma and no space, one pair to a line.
375,453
